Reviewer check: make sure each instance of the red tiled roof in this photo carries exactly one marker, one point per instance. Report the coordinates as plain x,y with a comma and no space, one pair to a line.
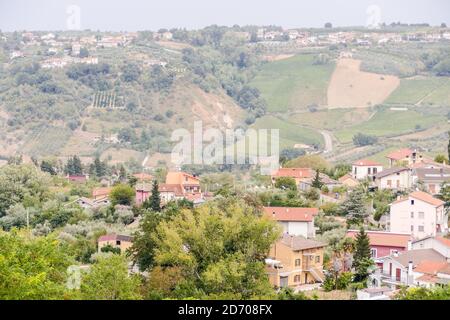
366,162
425,197
382,238
428,278
430,267
294,172
97,192
291,214
177,189
444,241
400,154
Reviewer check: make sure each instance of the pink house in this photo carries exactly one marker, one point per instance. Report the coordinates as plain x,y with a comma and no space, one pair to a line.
383,243
420,214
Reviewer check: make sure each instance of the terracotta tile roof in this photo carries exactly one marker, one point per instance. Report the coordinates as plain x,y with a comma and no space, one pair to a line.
291,214
177,189
99,192
400,154
430,267
298,243
346,177
383,238
428,278
143,176
438,175
423,196
114,237
366,162
179,178
445,269
444,241
294,173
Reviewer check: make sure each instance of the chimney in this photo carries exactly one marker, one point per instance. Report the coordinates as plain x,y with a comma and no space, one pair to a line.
410,273
409,245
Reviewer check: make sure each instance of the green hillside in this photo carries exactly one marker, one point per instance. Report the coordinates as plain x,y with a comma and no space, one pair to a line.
290,134
293,83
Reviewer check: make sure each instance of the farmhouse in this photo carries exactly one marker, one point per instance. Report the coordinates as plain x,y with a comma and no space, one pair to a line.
404,157
431,178
116,241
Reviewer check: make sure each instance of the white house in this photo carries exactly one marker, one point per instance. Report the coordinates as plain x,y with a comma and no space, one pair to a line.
431,178
295,221
420,214
408,268
439,244
363,169
394,178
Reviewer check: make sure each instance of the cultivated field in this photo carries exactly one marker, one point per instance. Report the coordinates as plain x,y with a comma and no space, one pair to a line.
351,87
422,90
290,134
293,83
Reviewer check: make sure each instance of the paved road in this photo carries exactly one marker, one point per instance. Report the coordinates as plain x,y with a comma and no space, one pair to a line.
328,141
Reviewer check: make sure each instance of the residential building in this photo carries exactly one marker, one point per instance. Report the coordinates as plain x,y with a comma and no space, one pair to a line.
439,244
420,214
190,183
383,243
298,174
363,169
294,261
396,178
294,221
122,242
404,157
306,183
405,268
98,193
431,178
348,180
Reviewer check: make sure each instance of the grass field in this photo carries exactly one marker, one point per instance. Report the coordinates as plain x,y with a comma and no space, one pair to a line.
47,141
293,83
290,133
331,119
426,90
389,123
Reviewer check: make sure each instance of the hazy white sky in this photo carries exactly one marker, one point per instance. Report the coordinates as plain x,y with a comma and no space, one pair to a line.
135,15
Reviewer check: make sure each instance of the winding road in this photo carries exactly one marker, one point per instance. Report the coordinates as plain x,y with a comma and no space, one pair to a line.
328,141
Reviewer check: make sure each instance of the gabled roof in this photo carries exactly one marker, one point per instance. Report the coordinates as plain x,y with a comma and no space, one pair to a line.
178,177
177,189
115,237
390,171
291,214
294,172
383,238
433,174
400,154
298,243
430,267
347,177
423,196
367,162
418,256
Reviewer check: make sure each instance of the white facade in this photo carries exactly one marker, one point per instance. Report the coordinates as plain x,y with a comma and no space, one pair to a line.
298,228
360,172
432,243
417,217
399,181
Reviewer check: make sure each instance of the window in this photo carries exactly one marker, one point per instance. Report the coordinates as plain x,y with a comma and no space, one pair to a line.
412,228
368,170
118,242
412,202
421,228
373,253
297,278
311,258
298,262
375,170
412,215
421,215
356,170
317,259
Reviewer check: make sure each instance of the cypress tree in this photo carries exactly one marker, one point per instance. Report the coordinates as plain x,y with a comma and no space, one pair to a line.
362,259
317,182
155,200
